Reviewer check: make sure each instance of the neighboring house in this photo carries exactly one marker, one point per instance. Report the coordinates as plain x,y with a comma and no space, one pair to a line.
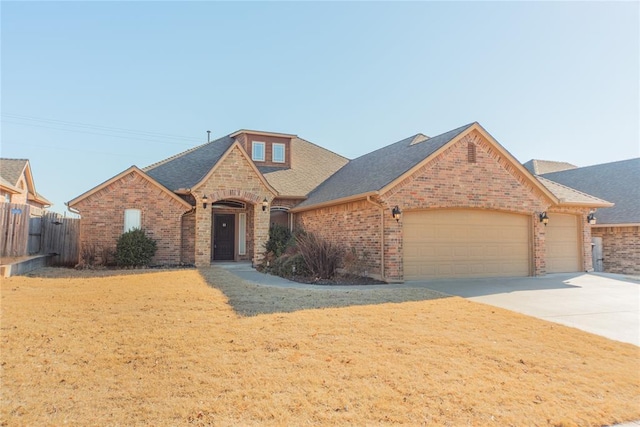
454,205
17,185
617,230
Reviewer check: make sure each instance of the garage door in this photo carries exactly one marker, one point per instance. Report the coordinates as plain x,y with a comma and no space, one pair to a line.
465,243
563,247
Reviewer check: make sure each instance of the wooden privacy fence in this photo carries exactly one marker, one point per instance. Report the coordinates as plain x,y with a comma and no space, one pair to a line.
50,234
14,220
60,236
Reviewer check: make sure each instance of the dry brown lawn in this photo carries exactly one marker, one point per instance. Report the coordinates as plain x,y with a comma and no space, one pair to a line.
165,348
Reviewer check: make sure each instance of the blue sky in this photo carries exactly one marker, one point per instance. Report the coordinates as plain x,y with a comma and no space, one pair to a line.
91,88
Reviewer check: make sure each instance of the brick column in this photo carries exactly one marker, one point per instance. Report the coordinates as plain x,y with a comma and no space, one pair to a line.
393,261
539,247
260,232
203,235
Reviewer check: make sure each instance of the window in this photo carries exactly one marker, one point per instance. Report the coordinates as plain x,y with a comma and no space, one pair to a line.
131,219
242,234
277,155
257,151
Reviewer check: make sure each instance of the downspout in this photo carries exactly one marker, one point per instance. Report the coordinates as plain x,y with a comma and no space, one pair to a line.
381,235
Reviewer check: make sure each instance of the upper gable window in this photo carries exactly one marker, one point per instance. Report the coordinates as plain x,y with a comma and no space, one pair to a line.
278,154
257,151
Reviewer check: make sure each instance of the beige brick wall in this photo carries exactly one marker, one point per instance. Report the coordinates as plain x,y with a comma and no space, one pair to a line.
233,178
620,249
188,246
102,216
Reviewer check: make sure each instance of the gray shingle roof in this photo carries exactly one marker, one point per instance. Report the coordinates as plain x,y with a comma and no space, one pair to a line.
310,166
188,168
539,167
616,182
11,169
373,171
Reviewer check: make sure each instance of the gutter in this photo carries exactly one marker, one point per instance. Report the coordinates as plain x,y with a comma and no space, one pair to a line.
335,202
626,224
70,209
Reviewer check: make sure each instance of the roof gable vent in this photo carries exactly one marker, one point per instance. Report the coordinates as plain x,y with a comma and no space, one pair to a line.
418,139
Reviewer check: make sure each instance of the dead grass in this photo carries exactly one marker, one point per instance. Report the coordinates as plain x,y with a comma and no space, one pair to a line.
164,348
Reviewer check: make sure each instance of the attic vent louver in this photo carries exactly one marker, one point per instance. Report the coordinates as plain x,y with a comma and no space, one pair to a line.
418,138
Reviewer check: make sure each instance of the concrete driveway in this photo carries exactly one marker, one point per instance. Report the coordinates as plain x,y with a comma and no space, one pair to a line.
603,304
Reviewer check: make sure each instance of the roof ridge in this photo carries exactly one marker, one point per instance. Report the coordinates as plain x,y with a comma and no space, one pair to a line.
175,156
414,136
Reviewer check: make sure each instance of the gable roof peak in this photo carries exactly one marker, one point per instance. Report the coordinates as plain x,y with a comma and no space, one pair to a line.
419,138
539,167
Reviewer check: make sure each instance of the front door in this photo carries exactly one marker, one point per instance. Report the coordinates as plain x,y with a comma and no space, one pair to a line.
224,237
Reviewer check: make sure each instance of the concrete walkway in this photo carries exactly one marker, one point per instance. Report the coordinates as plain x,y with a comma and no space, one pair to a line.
603,304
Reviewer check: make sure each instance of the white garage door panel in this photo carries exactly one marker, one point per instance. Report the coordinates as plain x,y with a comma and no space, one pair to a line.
465,243
562,240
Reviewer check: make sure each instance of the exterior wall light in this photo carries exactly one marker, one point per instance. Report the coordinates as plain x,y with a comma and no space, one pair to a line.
591,218
396,212
544,218
205,199
265,204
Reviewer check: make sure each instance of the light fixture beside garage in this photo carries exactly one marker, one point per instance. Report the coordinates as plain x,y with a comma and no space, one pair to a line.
265,204
544,218
396,212
591,218
205,200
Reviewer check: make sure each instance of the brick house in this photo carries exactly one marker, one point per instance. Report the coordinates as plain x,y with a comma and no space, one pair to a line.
18,186
616,232
464,206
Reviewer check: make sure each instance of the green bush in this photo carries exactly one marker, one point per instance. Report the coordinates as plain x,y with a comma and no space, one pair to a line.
289,265
279,239
135,249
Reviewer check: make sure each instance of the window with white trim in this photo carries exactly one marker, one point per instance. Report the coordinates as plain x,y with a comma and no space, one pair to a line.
257,151
131,219
242,233
277,153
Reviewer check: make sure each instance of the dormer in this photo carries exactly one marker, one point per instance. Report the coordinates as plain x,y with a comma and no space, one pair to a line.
266,148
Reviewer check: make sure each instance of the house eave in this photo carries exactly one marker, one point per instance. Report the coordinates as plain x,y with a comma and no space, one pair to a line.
623,224
603,204
361,196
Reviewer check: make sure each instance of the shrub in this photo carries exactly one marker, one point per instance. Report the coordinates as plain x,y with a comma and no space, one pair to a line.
289,265
88,255
354,264
135,249
279,240
321,257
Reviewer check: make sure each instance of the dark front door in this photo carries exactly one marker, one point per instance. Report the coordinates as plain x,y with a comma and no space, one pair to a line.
223,237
